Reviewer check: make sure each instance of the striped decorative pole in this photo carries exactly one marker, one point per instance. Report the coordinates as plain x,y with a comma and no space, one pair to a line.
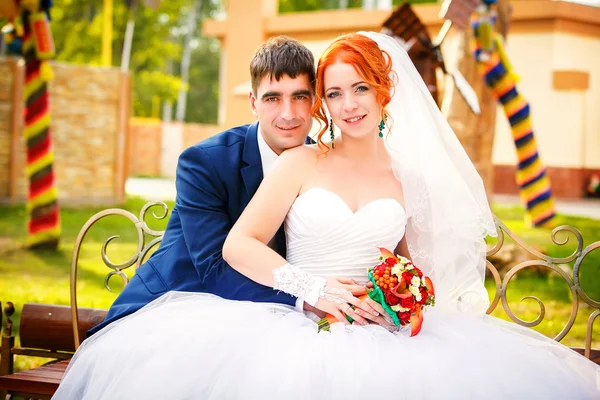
532,179
43,211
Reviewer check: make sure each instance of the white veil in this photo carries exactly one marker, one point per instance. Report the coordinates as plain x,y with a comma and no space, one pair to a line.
449,215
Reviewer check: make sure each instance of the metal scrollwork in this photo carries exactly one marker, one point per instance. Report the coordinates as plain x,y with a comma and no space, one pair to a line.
136,259
552,263
560,236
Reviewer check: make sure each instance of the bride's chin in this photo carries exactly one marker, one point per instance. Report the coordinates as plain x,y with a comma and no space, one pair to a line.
359,136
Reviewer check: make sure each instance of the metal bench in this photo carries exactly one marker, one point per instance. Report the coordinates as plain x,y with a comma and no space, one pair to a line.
56,331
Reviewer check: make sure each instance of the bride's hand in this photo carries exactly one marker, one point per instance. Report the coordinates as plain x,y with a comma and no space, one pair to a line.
382,319
339,298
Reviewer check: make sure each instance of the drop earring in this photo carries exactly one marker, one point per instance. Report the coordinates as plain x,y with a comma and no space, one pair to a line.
331,133
382,125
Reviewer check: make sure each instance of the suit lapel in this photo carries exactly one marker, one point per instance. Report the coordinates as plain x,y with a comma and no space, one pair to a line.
252,172
252,175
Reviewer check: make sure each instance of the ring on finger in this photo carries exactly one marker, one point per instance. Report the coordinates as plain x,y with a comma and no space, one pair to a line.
348,306
372,305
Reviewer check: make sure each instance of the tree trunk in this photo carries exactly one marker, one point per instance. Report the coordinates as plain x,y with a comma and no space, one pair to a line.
476,133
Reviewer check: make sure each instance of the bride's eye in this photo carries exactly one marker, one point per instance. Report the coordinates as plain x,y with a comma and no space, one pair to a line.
362,88
333,95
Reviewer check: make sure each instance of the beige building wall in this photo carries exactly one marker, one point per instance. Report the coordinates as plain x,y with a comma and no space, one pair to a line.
566,123
582,53
554,46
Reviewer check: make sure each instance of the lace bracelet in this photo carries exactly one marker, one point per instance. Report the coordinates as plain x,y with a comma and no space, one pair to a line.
298,283
294,281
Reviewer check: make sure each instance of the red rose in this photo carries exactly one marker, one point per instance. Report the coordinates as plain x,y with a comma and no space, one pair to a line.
407,277
418,272
404,317
423,295
407,302
379,270
390,298
390,262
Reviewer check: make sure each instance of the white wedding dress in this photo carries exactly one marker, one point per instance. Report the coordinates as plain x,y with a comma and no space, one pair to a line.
199,346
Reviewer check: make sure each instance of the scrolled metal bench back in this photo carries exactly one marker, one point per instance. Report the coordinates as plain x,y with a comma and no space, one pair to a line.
553,264
538,260
143,247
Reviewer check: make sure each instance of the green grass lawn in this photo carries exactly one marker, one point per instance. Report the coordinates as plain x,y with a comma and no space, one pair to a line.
43,276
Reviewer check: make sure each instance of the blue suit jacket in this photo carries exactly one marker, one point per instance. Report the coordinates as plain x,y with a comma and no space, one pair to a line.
215,180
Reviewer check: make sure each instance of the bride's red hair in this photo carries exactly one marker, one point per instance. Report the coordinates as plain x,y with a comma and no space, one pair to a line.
370,63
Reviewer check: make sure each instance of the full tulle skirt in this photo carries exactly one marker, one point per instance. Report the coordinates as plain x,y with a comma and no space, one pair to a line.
199,346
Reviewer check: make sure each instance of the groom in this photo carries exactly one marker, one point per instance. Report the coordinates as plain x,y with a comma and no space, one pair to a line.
216,179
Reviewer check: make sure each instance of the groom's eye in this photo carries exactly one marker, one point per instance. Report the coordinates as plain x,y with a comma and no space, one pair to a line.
270,99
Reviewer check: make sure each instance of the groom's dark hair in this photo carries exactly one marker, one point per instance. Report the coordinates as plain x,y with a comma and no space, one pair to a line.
282,55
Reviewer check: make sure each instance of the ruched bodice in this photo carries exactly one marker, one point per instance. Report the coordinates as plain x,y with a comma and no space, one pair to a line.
326,238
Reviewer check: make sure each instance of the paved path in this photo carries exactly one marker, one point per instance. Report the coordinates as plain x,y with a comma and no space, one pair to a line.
164,189
151,188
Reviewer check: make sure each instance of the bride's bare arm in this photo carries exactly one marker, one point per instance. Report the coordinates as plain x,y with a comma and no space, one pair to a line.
245,248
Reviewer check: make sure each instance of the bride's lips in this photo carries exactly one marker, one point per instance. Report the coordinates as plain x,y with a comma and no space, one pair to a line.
354,119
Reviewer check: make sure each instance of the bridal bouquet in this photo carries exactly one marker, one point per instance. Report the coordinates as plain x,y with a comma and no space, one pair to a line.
401,289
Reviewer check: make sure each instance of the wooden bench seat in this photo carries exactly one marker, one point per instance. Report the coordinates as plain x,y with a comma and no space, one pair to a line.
39,383
46,331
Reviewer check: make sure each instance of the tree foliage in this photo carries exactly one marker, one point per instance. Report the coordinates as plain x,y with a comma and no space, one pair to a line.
156,51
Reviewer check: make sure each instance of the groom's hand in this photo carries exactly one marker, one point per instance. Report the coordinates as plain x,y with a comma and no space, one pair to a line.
319,313
353,287
382,319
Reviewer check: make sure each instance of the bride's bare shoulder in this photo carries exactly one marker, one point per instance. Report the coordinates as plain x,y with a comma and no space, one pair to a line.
301,155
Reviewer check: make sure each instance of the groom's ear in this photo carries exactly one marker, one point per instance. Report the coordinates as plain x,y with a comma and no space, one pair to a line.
252,99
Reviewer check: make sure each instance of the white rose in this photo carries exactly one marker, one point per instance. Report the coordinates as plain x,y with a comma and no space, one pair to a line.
423,282
415,281
403,260
414,290
396,308
418,297
395,270
402,309
408,267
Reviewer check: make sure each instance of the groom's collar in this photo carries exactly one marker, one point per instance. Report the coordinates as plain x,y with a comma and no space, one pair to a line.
267,155
252,151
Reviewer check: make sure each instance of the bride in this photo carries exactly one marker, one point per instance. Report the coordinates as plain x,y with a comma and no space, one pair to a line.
397,178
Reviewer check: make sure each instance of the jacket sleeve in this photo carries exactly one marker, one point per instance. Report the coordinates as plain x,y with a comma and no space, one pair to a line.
202,206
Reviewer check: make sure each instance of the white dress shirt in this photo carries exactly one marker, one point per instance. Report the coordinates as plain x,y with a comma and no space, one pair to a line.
267,158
